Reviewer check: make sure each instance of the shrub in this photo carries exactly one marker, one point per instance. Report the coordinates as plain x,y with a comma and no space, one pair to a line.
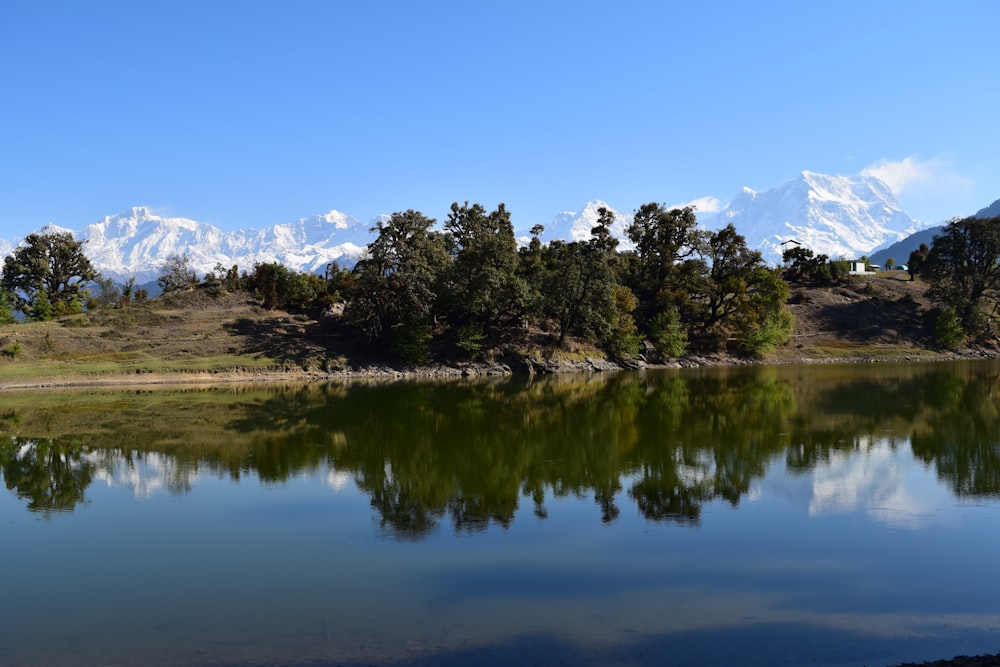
668,334
948,332
469,337
12,350
774,331
411,341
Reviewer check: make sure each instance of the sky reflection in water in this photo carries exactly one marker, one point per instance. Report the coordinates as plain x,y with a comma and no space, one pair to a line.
824,516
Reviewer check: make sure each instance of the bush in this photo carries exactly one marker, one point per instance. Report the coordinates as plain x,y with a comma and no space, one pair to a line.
774,331
469,337
623,340
12,350
411,342
948,332
668,334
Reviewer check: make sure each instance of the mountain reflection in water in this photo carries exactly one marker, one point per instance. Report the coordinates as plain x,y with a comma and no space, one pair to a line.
469,453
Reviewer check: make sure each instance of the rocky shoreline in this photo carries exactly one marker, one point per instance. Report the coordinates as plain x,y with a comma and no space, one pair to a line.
521,366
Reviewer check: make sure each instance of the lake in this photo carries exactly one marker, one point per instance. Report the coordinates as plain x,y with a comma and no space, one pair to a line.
821,515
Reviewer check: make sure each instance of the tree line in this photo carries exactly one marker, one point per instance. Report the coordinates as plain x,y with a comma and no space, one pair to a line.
469,289
422,293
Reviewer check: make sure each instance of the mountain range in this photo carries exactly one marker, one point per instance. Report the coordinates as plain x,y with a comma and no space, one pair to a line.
840,216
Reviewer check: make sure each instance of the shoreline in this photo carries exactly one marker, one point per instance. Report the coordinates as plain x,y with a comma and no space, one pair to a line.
523,367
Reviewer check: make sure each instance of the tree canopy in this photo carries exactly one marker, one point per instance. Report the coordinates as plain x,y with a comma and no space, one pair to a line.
963,269
47,274
397,284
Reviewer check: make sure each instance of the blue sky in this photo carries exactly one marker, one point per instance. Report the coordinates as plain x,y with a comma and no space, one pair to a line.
247,114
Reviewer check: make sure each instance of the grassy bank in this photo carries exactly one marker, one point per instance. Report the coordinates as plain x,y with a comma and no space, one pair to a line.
205,335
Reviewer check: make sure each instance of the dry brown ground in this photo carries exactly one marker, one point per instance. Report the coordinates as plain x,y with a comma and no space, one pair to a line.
186,334
198,335
865,319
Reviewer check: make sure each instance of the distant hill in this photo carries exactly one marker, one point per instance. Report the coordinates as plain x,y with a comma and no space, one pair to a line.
991,211
900,251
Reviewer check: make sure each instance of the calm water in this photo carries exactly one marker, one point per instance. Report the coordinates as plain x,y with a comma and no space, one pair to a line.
822,516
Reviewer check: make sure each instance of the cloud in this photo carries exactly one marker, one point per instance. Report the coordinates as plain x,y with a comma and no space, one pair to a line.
702,205
911,173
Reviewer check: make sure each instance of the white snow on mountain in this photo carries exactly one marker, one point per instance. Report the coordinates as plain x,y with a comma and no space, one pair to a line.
843,217
840,216
137,242
576,226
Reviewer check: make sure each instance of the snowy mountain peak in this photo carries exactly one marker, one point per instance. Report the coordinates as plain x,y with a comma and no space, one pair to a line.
576,226
54,229
839,216
336,218
137,243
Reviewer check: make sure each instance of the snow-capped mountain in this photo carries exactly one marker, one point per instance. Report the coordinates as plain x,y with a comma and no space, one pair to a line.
839,216
576,226
137,242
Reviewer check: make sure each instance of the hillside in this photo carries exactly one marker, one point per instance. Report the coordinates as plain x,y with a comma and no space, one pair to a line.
200,335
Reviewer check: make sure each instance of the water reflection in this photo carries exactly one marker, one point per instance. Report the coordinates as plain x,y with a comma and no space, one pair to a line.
467,454
51,476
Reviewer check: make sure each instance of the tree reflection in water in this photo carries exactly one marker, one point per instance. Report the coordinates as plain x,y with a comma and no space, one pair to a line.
467,452
52,476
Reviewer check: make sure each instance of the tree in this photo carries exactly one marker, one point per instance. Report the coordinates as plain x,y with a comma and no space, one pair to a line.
668,244
281,287
804,267
109,294
397,284
483,292
745,298
580,285
177,273
917,259
531,269
963,269
6,308
52,263
41,309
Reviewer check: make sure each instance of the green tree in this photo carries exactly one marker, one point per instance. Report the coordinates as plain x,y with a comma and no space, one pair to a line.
802,266
745,297
53,263
6,308
279,287
624,340
531,269
41,308
764,323
917,259
963,269
177,274
669,336
668,266
397,284
109,294
580,284
483,292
